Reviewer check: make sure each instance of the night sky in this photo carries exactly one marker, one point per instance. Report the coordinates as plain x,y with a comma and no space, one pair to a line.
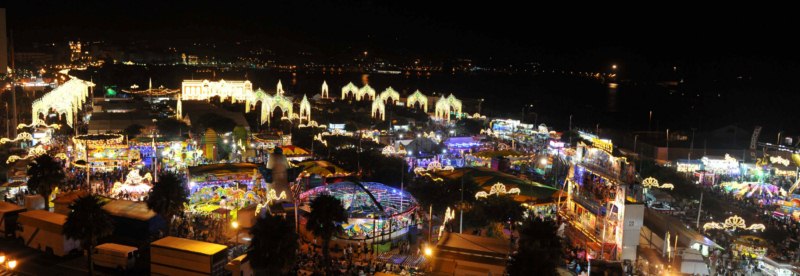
748,55
497,29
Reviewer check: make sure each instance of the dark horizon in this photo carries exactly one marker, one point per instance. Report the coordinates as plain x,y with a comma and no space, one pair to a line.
494,31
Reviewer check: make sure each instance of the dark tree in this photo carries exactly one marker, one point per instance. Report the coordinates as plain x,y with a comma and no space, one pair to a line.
539,249
133,130
468,127
442,194
327,213
45,174
87,222
168,197
503,208
171,127
218,123
271,251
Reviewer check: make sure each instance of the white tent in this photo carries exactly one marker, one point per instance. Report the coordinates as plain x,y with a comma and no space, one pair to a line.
693,263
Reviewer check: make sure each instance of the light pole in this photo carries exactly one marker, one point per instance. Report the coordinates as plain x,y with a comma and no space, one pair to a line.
402,182
430,224
155,150
570,129
691,146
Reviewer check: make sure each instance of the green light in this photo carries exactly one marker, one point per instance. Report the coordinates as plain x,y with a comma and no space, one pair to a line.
111,92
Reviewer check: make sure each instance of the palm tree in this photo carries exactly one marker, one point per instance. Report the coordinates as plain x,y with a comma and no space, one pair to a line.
168,196
323,221
45,174
272,249
87,222
539,249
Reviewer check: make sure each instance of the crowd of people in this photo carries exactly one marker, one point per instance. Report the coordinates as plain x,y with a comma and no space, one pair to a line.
351,259
200,226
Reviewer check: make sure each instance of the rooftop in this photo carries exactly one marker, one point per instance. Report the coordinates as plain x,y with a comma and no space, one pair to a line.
205,248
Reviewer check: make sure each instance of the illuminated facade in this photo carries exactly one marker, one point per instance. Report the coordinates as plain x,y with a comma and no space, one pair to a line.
603,206
240,91
74,51
205,89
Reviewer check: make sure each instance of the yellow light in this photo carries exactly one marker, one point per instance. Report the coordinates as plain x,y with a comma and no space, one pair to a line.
12,264
2,259
235,225
428,251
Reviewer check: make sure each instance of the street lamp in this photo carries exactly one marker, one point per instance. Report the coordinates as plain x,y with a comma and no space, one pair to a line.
428,251
235,225
12,264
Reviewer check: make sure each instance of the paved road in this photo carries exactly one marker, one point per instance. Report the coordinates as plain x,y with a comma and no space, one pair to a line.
32,262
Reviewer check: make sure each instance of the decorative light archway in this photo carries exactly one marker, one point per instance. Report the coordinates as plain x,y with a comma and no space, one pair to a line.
418,97
378,106
651,182
305,110
497,189
733,223
389,93
364,92
350,88
279,89
66,100
324,89
444,105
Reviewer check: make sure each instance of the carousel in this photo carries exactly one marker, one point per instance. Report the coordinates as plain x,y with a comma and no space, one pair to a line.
373,209
764,192
135,187
224,188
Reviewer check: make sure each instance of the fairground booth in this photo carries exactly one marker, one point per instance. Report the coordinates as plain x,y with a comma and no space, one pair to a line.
499,159
224,188
104,152
172,152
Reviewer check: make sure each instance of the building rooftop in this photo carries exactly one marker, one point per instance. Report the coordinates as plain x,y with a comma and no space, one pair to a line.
205,248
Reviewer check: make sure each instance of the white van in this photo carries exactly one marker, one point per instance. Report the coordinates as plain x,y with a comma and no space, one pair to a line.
115,256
